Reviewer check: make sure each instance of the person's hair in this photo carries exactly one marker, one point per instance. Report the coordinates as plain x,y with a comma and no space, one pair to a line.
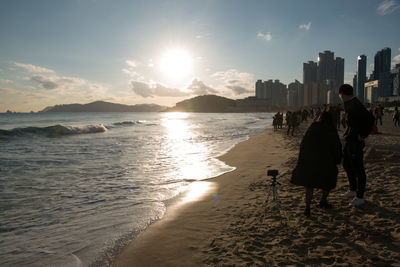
346,89
326,118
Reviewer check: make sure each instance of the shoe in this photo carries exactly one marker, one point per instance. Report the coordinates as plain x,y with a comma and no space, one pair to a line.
349,194
357,202
325,205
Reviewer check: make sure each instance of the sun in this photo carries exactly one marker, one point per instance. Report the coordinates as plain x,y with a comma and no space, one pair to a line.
176,63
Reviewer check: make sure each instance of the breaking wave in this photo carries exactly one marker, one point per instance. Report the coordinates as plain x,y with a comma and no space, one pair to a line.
54,131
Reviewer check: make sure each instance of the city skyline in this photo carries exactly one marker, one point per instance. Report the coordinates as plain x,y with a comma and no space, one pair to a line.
162,52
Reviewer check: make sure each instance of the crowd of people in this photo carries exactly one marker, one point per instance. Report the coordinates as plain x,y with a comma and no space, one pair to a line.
321,149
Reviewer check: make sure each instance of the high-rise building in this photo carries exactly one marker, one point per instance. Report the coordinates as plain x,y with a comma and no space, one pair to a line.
361,77
326,66
295,94
396,80
259,89
274,91
322,79
310,79
339,71
310,72
382,62
382,72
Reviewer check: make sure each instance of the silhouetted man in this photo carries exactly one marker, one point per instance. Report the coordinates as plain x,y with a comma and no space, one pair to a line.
357,130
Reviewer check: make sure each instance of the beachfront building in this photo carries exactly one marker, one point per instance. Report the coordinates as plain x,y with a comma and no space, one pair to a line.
330,74
312,93
321,79
310,81
395,77
295,94
361,77
382,72
371,91
273,91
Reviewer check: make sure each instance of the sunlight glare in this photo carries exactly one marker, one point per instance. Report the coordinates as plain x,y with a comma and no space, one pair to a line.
198,190
176,63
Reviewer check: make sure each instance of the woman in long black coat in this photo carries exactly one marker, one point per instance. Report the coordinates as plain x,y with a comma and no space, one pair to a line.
320,152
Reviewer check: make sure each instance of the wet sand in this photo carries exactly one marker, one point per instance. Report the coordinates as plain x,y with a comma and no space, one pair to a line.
232,225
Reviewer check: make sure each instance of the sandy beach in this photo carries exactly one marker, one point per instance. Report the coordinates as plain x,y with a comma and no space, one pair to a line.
225,221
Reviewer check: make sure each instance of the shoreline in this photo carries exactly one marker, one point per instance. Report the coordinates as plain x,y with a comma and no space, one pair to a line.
217,197
237,228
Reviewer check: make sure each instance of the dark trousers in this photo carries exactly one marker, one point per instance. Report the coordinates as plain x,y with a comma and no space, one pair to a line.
378,119
353,164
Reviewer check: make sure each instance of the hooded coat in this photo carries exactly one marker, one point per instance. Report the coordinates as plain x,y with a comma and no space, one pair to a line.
320,152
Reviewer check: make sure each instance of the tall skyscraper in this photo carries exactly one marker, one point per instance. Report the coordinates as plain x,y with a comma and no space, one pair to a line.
382,62
339,70
361,76
295,94
260,89
326,66
310,83
330,75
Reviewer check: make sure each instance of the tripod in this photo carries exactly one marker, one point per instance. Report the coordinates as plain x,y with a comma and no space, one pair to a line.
273,194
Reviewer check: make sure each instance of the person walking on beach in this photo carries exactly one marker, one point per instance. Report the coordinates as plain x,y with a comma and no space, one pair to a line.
378,114
359,124
396,116
320,153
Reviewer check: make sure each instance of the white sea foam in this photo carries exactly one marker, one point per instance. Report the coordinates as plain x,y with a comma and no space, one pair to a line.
86,195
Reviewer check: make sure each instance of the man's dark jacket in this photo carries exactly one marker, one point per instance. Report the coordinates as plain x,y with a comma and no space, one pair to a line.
320,152
357,120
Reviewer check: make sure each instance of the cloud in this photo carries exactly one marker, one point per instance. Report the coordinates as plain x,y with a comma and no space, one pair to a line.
32,68
201,36
267,36
199,88
387,7
237,82
54,82
7,90
233,74
238,87
131,63
155,89
6,81
396,58
131,72
305,26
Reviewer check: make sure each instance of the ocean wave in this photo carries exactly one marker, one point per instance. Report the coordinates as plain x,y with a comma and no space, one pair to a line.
133,123
54,130
127,123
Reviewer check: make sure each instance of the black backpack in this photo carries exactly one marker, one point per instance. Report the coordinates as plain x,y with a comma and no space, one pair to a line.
368,122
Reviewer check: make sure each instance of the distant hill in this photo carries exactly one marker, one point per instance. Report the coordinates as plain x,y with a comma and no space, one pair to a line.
205,103
101,106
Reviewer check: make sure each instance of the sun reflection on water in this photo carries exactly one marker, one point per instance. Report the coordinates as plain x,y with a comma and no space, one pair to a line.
185,148
198,190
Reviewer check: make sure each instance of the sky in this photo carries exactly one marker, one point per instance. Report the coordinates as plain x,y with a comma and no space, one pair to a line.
162,52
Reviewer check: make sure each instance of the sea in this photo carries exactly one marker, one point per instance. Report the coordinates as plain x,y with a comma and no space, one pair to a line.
76,188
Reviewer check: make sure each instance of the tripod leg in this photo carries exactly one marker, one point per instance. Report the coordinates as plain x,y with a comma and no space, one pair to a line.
281,207
270,191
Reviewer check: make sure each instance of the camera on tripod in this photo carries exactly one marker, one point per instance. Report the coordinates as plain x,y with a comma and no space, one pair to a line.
272,173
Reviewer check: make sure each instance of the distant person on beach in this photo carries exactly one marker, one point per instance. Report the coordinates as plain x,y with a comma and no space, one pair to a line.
280,120
396,116
275,122
359,124
378,114
320,152
292,122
